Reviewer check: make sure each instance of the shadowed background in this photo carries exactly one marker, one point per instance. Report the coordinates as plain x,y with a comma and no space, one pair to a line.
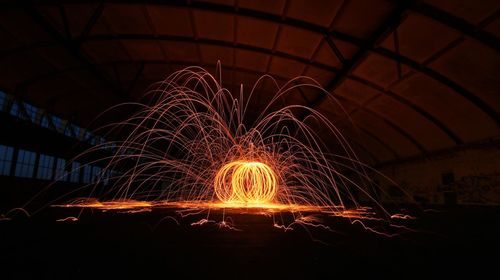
419,81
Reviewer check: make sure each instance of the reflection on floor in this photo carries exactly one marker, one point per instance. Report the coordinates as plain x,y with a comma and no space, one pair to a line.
149,244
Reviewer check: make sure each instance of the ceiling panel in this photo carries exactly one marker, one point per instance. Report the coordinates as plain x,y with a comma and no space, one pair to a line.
378,69
409,120
299,42
146,50
212,25
371,13
212,54
457,113
385,133
78,16
356,91
181,51
256,32
315,11
258,37
127,19
416,42
285,67
170,20
101,51
251,60
474,66
320,75
470,10
325,55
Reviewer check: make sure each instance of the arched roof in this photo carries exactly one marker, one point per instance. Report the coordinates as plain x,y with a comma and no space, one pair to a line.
415,76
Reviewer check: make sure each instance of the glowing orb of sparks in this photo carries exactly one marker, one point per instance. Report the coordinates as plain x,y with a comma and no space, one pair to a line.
248,182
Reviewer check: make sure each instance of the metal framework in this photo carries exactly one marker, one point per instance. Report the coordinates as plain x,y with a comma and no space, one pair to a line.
366,46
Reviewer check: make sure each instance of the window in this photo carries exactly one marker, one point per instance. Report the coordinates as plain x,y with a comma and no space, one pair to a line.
96,173
76,130
92,139
25,164
105,176
3,97
87,173
68,131
75,172
61,173
45,167
14,109
72,130
31,112
5,159
87,135
58,123
24,111
44,122
115,175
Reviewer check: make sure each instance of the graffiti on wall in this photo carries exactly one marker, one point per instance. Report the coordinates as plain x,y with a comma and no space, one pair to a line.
478,188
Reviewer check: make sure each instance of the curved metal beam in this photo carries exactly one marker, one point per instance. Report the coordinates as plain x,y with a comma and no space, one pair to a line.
474,99
73,49
400,130
389,24
419,110
313,28
379,141
435,121
27,83
213,7
141,63
457,23
147,37
492,143
390,123
427,10
355,143
424,113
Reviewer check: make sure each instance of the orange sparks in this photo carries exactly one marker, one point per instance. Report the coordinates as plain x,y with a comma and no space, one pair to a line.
246,182
191,149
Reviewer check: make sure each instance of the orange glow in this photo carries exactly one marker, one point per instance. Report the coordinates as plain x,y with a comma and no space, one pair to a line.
192,151
246,182
306,216
236,207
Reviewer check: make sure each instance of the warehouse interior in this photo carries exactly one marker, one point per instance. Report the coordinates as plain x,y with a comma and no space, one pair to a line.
416,89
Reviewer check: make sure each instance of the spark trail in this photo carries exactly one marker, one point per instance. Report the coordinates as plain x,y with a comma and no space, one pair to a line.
192,145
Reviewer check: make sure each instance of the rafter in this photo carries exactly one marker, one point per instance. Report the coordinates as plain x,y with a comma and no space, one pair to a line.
73,49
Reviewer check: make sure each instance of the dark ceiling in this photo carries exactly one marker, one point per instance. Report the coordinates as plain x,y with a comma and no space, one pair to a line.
415,76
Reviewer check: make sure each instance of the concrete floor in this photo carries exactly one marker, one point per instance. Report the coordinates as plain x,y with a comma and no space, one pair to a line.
129,246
